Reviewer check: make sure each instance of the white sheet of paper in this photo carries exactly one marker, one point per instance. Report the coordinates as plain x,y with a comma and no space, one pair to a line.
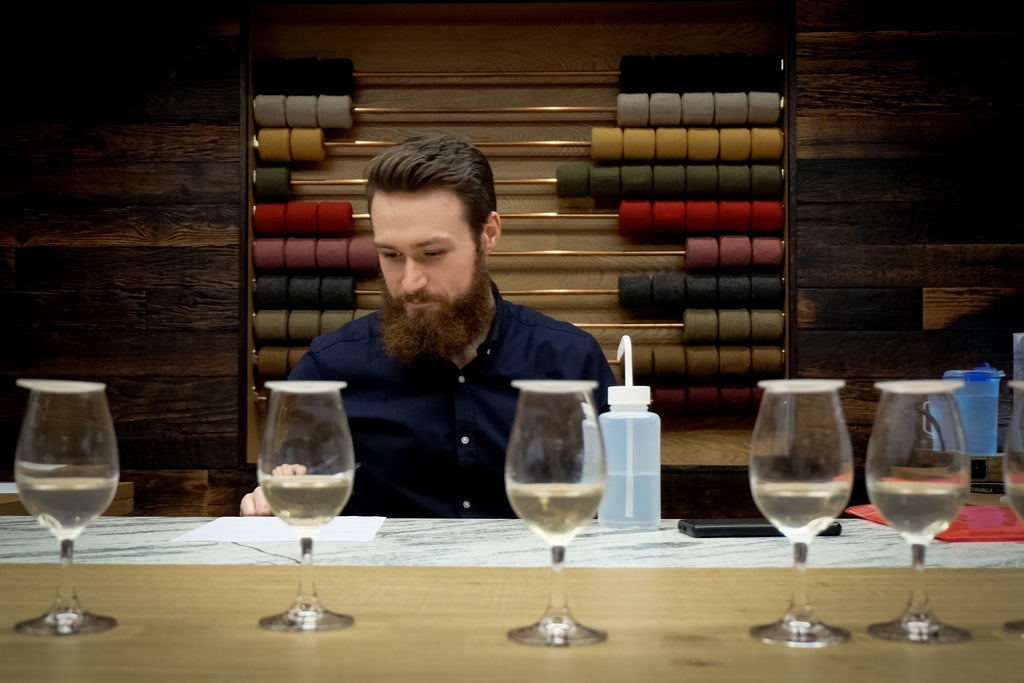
255,529
8,487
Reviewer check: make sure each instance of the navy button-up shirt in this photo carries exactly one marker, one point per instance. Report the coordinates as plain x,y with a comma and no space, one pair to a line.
430,437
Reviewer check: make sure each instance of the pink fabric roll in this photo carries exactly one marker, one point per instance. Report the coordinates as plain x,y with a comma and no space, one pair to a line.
300,253
332,253
735,400
300,218
668,217
703,400
701,217
268,220
734,217
766,252
362,256
635,218
268,253
669,401
767,217
334,219
734,251
701,253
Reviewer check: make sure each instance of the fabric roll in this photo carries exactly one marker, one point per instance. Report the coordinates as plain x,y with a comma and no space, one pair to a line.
733,70
668,217
637,181
765,180
268,253
668,292
606,145
703,400
668,182
362,256
700,326
734,251
335,76
702,291
734,291
701,362
733,180
701,73
268,220
269,75
300,218
634,291
666,109
334,111
271,184
300,253
670,145
733,216
766,291
295,353
332,253
702,144
701,217
668,401
669,363
669,74
643,363
270,327
268,111
734,144
632,109
766,326
635,218
302,74
274,144
334,219
272,362
734,361
303,326
766,361
331,319
764,72
730,108
701,180
605,182
763,108
766,252
270,292
766,144
572,180
734,326
304,291
300,111
635,73
736,399
337,292
307,144
767,216
698,109
362,313
701,253
638,144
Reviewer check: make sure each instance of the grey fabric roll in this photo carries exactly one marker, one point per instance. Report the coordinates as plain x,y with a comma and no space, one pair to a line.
763,108
270,291
702,291
730,108
573,179
304,291
268,111
337,292
668,181
668,291
666,109
698,109
633,109
334,111
701,180
733,291
733,180
766,291
300,111
637,182
634,291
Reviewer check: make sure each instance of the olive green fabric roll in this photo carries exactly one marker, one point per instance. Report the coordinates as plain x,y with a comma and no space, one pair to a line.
573,179
700,326
701,181
701,362
270,326
670,145
605,182
606,145
303,326
733,180
766,326
765,180
637,182
272,184
362,313
332,319
734,326
668,181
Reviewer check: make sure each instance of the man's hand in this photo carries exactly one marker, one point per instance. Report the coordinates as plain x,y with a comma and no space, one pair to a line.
255,503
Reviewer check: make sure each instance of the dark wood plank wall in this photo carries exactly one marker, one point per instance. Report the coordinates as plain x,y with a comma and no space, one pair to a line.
121,198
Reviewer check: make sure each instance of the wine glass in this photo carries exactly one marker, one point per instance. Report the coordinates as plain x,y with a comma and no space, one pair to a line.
801,474
918,475
66,469
1013,470
306,468
555,477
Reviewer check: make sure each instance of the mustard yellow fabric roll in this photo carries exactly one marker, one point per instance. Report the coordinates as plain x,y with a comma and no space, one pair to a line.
734,361
700,326
702,144
638,144
702,362
606,145
270,326
766,325
766,144
670,145
766,361
303,326
308,144
669,363
734,144
274,144
272,362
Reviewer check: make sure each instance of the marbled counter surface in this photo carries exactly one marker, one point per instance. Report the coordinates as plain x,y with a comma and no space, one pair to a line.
490,543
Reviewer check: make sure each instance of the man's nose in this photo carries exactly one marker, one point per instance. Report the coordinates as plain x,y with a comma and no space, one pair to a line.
414,278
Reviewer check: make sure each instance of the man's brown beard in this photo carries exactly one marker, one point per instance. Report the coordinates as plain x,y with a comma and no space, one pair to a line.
442,333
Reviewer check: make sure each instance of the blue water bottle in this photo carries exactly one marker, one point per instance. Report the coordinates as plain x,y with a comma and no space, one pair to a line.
632,441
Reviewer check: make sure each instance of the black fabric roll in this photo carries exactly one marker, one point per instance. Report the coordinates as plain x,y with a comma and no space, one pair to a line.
634,291
269,75
338,292
734,291
701,75
766,291
701,291
335,76
302,74
669,73
765,73
733,72
304,292
635,73
668,291
270,291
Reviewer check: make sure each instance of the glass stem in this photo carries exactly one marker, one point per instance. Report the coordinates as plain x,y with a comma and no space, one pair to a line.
918,608
66,600
558,603
799,607
306,598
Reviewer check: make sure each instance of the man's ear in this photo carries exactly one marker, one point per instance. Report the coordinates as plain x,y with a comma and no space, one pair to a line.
491,232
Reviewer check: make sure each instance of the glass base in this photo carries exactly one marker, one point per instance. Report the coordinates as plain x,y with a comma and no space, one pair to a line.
1015,627
306,621
65,623
561,632
800,633
919,631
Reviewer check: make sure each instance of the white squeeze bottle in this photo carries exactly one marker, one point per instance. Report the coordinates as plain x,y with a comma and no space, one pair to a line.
632,442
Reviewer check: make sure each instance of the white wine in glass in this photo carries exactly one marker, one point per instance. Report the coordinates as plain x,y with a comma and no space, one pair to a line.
801,475
306,470
555,478
66,468
918,475
1013,470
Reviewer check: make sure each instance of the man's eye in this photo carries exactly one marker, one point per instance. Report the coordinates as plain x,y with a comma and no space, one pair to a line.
389,254
434,254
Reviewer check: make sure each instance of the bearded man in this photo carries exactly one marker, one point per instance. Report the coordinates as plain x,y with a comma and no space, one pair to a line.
429,397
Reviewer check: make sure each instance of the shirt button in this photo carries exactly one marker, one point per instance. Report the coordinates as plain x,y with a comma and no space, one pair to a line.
465,504
464,440
462,379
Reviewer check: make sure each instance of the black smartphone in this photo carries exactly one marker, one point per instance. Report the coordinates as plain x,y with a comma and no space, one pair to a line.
731,528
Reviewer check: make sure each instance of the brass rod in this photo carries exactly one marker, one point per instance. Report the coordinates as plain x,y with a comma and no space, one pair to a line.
499,143
498,110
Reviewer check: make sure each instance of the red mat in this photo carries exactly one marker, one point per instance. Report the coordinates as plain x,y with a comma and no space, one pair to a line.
974,523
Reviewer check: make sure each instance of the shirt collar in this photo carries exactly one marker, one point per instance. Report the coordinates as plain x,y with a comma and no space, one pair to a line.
494,334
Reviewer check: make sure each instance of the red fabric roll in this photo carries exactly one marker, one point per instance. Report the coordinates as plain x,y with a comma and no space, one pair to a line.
767,216
635,218
300,253
668,217
766,251
736,400
668,401
268,253
334,219
268,220
362,256
300,218
734,251
701,217
703,400
701,253
332,253
734,217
